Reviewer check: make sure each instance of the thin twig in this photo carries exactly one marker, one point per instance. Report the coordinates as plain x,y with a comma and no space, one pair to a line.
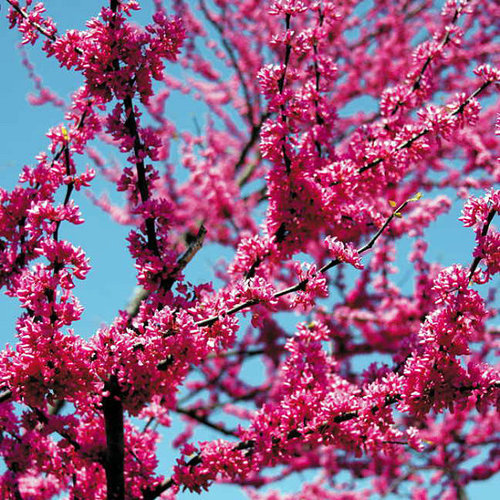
301,284
425,131
193,413
234,60
38,26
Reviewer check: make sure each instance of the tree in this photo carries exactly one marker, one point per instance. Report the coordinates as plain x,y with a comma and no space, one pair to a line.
301,188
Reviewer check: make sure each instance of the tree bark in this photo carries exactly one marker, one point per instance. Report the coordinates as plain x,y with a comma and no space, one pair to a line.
113,419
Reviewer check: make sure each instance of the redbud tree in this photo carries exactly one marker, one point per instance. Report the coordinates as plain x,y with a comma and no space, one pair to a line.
312,196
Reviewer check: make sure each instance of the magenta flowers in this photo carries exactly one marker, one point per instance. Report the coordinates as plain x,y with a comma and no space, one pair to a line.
299,183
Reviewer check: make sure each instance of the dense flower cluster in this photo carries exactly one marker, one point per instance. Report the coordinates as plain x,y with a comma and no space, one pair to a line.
290,173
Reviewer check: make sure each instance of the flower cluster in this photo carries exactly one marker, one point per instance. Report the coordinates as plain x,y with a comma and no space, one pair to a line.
343,252
311,122
478,213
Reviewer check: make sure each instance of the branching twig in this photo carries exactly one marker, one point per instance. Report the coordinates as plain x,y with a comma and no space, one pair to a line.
38,27
234,60
425,131
301,284
193,413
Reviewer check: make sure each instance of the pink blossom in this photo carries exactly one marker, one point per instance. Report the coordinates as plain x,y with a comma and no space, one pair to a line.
343,252
314,124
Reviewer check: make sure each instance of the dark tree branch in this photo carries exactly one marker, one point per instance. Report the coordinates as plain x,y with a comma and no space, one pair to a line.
484,232
115,455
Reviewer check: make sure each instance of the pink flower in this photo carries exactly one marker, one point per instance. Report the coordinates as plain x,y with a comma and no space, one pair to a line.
287,7
488,73
344,252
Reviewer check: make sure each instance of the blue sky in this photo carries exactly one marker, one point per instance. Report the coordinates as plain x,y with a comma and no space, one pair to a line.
23,130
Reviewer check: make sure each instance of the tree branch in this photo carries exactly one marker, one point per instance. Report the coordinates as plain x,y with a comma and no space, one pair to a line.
484,232
115,455
301,284
194,414
234,60
425,131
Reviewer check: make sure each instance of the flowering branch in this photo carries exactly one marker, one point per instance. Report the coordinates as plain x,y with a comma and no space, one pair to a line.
484,232
179,347
406,144
248,445
301,284
15,5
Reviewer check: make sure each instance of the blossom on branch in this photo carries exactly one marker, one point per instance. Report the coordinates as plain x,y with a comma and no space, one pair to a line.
249,351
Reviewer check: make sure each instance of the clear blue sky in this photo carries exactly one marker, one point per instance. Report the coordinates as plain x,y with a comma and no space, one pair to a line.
23,128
